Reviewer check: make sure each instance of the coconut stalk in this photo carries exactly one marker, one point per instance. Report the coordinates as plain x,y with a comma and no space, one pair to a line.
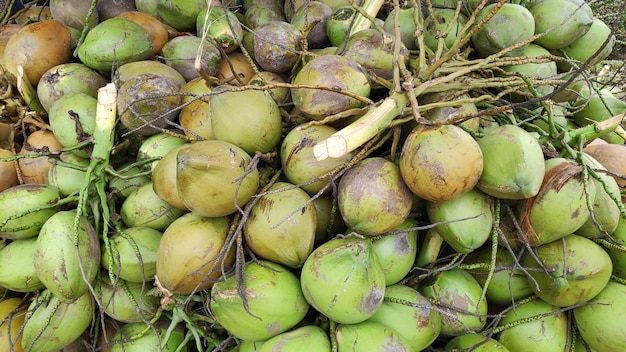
362,130
27,91
365,13
596,130
95,176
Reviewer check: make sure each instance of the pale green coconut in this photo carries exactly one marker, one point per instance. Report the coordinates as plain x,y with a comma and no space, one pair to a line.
457,288
589,46
606,212
543,70
52,324
67,257
513,163
254,126
344,280
599,322
571,19
563,278
114,42
511,25
275,302
465,221
373,198
538,326
308,338
369,336
409,313
562,196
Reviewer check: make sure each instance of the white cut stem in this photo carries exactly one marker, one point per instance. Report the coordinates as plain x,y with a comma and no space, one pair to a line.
106,111
362,130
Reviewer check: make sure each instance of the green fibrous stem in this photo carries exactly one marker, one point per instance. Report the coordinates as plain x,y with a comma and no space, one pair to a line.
367,10
95,175
362,130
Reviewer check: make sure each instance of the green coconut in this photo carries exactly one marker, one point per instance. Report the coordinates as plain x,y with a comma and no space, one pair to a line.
17,270
164,178
375,51
373,198
606,212
313,14
66,79
308,338
140,111
115,42
67,257
596,105
71,128
255,126
275,302
180,53
195,114
260,13
136,68
406,23
440,163
299,164
337,72
222,25
618,256
284,215
411,315
465,221
513,163
512,24
571,270
180,14
598,322
270,79
353,286
68,175
143,207
25,208
562,196
214,177
440,21
534,324
508,284
396,251
156,147
139,337
457,288
191,254
590,45
451,113
338,24
276,46
369,336
541,71
133,254
560,21
52,324
127,302
474,342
